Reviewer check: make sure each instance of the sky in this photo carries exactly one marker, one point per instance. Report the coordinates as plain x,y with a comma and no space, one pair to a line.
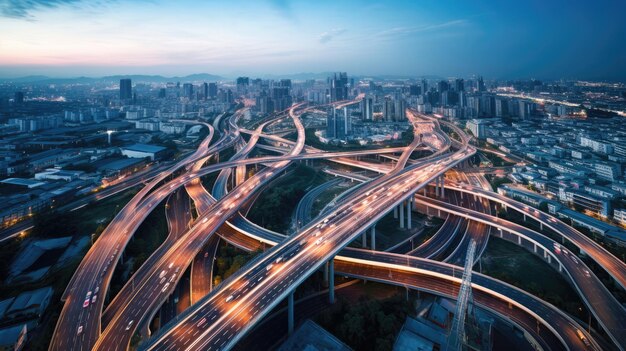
498,39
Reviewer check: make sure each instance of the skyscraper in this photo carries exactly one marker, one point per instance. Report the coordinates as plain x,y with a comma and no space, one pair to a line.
205,90
188,90
459,85
338,87
212,90
367,108
126,89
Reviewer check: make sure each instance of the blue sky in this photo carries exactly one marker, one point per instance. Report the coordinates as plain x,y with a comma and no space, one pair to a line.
497,39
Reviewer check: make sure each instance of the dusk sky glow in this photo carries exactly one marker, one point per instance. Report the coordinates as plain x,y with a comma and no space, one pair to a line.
448,38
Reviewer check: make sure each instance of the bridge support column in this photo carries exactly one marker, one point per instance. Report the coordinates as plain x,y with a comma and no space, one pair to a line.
408,213
290,313
519,240
443,186
373,237
535,248
364,239
326,274
524,218
549,259
560,267
331,280
401,209
395,212
541,225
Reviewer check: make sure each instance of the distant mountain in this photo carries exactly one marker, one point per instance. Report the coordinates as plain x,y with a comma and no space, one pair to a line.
136,78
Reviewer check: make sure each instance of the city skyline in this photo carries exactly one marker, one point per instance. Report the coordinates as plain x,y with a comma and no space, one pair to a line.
288,37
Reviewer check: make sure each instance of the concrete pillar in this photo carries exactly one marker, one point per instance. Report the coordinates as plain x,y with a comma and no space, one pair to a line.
408,214
549,259
524,218
326,274
560,267
401,209
290,313
535,248
541,225
443,186
364,238
331,281
519,240
373,237
395,212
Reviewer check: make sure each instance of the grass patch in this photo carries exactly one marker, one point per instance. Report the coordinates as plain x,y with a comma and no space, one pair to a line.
274,207
515,265
368,324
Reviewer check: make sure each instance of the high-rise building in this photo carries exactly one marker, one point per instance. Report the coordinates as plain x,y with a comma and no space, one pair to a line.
242,83
443,86
188,90
459,85
399,109
212,90
205,90
388,106
367,108
18,97
338,87
126,89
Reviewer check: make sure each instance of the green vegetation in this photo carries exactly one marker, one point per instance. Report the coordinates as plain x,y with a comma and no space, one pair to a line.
274,207
229,260
517,266
369,324
497,160
497,181
312,140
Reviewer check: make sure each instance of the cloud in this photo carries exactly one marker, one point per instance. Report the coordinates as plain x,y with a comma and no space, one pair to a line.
24,8
330,35
405,31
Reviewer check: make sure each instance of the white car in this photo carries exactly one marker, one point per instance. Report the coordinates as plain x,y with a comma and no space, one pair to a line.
229,298
80,330
130,324
167,285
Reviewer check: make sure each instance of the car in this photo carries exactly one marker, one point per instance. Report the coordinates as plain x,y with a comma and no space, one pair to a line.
279,259
206,254
173,277
202,321
162,274
130,324
318,241
80,330
230,298
587,274
86,303
88,294
205,219
171,265
162,280
95,291
93,299
177,269
167,285
269,266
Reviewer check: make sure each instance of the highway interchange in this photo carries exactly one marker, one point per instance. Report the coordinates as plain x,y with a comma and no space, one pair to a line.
221,315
